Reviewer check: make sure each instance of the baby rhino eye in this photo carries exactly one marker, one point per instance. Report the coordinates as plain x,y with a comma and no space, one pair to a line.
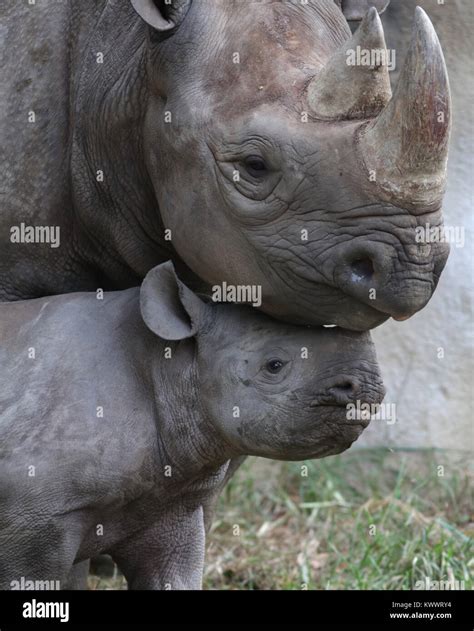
274,365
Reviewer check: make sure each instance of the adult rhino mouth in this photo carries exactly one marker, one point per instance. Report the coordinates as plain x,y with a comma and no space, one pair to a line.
342,310
388,292
358,316
355,305
355,315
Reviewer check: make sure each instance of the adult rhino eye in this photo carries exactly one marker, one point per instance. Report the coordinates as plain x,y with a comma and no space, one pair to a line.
255,166
274,366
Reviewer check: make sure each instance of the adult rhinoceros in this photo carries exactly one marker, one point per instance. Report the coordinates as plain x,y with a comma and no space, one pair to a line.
237,129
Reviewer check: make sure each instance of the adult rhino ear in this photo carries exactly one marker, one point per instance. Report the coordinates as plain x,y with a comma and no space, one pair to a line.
168,307
357,9
162,15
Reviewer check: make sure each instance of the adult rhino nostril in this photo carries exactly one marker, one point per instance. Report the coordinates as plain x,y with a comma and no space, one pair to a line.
362,269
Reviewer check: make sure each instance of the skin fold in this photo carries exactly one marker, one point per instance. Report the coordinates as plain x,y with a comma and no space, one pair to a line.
135,156
124,417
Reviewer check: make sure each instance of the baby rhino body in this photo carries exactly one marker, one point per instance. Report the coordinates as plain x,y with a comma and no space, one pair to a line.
121,419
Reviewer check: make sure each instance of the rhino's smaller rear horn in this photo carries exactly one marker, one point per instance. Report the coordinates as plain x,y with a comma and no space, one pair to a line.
355,83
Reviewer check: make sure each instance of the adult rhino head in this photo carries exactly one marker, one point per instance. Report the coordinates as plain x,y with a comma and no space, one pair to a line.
277,163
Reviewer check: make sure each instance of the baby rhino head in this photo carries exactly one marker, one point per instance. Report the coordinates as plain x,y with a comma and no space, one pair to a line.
270,389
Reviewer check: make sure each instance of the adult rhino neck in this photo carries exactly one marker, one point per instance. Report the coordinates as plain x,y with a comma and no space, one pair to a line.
187,439
118,224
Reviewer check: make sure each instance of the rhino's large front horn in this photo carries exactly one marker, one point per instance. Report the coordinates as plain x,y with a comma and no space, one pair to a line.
407,145
355,83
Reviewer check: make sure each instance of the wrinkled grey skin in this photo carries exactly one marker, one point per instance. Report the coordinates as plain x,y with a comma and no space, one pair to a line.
110,117
157,413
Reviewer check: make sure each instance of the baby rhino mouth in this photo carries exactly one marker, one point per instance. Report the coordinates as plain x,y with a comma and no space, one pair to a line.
344,408
335,429
355,413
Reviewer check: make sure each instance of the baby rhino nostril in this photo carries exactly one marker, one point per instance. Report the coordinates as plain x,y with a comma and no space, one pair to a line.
346,386
340,391
344,390
362,269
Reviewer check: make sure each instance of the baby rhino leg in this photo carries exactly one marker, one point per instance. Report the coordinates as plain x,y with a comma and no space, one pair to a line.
167,555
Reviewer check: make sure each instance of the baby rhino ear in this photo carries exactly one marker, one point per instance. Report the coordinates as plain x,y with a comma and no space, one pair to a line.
168,307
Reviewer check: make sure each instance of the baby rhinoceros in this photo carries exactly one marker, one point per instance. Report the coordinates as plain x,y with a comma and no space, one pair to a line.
123,418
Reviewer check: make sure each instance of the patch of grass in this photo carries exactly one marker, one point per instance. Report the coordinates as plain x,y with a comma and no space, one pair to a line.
368,519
